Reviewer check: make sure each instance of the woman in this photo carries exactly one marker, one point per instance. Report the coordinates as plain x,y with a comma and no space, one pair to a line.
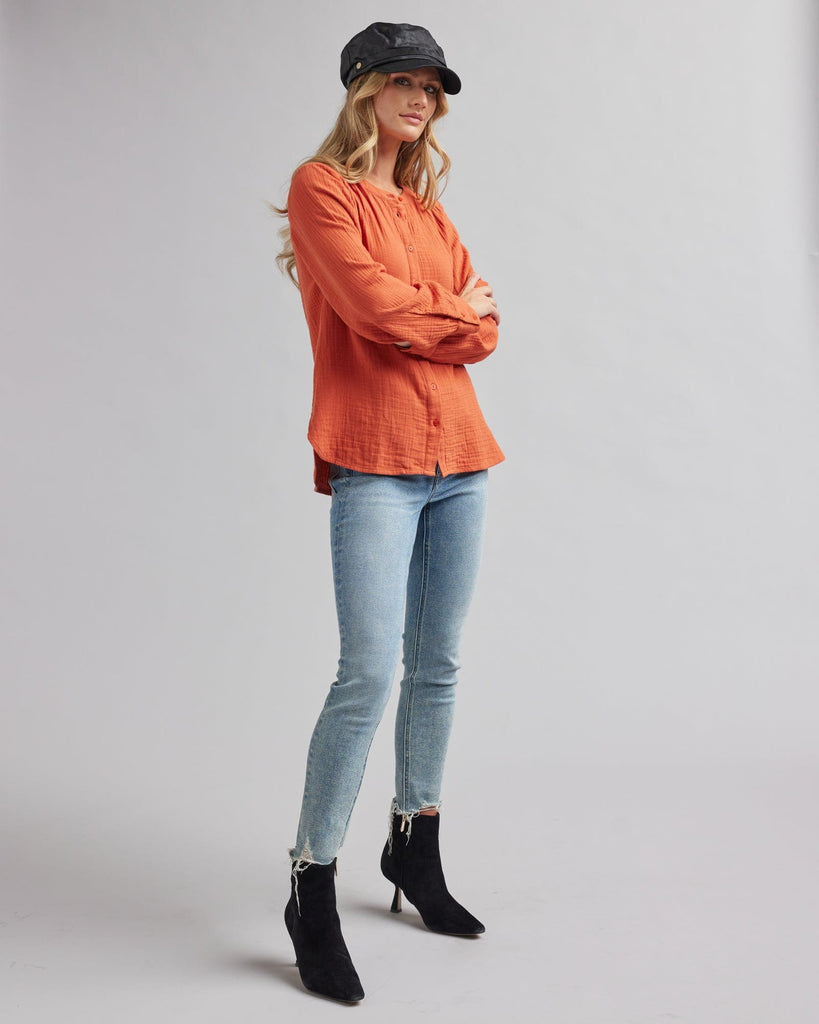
394,311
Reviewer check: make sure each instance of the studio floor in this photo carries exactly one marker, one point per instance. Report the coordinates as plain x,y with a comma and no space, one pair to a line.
630,895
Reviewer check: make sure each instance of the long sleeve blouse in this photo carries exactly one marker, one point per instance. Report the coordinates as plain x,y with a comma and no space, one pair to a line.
375,269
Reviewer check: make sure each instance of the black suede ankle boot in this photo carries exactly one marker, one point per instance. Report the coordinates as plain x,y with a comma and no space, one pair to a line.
412,862
312,920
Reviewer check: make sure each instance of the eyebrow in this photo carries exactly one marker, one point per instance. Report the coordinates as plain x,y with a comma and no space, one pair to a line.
425,80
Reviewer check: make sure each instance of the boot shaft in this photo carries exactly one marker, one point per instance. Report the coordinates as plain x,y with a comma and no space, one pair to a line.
313,889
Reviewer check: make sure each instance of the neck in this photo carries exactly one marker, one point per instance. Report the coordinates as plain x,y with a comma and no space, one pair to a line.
383,173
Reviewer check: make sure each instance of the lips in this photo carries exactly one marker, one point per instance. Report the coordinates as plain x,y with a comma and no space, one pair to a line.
413,118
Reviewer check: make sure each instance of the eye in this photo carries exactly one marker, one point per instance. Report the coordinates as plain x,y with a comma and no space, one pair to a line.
432,89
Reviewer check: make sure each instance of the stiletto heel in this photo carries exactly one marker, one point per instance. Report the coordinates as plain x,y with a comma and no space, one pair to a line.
396,902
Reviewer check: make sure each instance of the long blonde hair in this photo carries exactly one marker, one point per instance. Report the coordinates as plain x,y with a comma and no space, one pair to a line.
352,146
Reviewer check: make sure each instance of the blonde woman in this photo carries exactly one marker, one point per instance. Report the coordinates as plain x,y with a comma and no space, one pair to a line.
395,311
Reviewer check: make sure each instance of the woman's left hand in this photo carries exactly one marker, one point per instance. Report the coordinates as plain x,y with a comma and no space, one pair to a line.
480,298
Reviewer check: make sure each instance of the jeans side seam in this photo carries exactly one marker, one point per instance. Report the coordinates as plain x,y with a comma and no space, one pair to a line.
416,650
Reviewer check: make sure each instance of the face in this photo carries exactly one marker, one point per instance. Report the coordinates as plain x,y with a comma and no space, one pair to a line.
405,104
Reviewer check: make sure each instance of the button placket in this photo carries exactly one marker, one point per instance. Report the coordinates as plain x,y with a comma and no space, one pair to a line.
434,405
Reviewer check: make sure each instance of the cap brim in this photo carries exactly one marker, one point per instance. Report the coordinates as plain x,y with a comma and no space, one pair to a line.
449,80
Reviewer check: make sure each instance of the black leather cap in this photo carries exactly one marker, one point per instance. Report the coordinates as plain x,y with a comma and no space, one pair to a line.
383,46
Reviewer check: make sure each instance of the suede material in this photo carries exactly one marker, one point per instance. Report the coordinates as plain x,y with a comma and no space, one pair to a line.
414,866
323,960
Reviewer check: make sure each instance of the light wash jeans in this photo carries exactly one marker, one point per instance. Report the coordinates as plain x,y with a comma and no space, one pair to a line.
405,551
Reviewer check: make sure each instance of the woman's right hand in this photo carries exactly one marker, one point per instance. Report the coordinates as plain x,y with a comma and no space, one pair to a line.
479,297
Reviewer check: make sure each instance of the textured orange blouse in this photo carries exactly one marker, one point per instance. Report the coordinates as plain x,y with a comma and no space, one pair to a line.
375,269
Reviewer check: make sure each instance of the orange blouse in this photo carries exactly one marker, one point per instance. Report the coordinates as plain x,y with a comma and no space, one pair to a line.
375,269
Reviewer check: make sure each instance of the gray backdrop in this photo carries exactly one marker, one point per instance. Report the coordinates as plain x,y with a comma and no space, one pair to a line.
637,181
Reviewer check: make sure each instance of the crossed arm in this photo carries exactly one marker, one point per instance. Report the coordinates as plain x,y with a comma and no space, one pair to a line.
424,319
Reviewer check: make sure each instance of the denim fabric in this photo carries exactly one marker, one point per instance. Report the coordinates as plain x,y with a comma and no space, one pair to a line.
405,552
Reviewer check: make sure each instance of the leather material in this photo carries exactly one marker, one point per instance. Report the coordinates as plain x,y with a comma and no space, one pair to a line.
384,46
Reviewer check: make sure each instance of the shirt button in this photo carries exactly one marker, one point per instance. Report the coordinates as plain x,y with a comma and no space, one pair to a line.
436,423
410,248
434,387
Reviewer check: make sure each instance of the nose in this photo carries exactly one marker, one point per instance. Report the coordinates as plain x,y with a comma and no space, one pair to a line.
420,98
